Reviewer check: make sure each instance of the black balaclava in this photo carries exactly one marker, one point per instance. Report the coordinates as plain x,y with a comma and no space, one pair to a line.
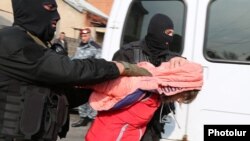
156,38
33,17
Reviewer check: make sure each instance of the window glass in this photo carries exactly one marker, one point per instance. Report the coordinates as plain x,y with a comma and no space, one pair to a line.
228,31
140,13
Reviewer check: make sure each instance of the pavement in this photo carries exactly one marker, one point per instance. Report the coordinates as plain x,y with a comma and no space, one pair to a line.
75,133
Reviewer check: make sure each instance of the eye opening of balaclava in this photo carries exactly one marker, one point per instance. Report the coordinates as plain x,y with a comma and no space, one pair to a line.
156,39
157,26
33,17
52,6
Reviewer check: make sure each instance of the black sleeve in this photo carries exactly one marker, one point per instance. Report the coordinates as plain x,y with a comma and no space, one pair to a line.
84,71
120,56
27,61
124,54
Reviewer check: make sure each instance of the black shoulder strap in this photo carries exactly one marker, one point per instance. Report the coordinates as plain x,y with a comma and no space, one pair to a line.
139,56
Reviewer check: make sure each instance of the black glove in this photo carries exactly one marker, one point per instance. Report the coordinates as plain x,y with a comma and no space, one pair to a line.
59,49
134,70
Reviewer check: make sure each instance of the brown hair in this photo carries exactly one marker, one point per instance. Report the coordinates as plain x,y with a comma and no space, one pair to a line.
186,97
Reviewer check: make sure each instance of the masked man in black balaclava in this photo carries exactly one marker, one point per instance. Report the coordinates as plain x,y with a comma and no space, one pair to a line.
154,49
36,83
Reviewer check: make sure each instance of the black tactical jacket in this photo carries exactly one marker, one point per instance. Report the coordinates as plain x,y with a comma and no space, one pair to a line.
34,82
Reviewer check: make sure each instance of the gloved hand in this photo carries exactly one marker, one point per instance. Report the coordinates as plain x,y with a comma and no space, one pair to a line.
134,70
59,49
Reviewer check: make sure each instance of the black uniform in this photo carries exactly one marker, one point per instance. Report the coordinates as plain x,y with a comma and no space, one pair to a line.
36,82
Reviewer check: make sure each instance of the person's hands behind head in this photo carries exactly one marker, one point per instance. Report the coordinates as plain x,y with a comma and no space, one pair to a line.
132,70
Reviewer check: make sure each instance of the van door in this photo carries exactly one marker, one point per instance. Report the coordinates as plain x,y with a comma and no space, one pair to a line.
113,34
222,46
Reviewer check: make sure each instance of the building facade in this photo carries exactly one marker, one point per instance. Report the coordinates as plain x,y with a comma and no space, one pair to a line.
75,15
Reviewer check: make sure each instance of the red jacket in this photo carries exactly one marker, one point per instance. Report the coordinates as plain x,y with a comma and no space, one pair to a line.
129,124
125,124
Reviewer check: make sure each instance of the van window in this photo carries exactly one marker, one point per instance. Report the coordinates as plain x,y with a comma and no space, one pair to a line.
140,13
227,36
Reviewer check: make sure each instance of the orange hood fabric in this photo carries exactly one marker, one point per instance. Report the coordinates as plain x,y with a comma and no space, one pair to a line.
164,81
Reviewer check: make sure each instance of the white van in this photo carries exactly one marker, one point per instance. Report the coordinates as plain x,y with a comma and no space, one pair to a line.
214,33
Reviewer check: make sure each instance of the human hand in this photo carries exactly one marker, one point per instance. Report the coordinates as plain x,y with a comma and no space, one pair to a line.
177,62
134,70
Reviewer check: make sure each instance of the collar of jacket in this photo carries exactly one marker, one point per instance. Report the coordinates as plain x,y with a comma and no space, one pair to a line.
36,39
87,45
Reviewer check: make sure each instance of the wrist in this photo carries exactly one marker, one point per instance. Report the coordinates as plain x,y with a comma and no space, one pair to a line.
120,67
